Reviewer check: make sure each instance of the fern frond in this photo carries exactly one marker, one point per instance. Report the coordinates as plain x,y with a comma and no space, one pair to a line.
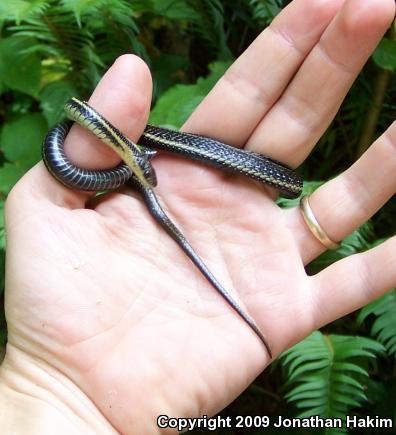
115,29
359,241
265,10
174,9
53,98
210,25
20,10
80,7
384,326
60,38
88,34
326,375
142,6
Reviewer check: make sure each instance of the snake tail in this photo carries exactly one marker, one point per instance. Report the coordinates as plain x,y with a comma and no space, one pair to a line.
158,213
137,170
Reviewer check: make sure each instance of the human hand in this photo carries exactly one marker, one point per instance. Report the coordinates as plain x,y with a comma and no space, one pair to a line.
106,311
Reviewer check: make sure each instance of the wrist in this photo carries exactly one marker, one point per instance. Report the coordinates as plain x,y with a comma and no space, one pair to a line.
37,399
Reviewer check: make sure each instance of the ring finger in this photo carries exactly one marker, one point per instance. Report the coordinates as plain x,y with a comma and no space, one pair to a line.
343,204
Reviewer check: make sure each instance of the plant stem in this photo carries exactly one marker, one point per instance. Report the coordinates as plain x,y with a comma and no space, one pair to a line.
260,390
371,120
374,111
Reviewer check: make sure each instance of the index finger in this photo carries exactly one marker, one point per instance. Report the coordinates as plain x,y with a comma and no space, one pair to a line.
259,76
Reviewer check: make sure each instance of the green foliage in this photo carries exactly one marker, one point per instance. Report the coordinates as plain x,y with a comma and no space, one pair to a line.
265,10
384,325
18,10
21,138
210,26
20,69
53,97
358,241
308,188
20,143
326,375
175,10
51,50
385,54
2,230
9,175
176,105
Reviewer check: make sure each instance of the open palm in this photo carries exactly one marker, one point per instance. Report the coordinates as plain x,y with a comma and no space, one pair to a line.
103,298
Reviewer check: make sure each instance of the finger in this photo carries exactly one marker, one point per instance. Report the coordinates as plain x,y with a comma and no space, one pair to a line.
293,126
353,282
346,202
123,96
256,80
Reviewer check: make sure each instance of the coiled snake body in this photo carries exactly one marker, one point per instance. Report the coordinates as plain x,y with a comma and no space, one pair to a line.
137,170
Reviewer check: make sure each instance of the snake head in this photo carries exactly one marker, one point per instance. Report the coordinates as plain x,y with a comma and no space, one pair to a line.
148,170
148,152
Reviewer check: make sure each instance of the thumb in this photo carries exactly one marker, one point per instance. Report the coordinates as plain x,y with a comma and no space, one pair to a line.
123,96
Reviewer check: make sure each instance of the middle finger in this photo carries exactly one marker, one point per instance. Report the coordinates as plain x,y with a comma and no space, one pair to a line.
258,77
302,114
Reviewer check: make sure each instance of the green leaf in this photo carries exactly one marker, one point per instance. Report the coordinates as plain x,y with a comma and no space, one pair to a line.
384,322
307,368
21,9
10,173
53,99
308,188
384,326
175,9
325,374
79,7
209,26
265,10
317,410
385,54
346,379
2,225
140,6
22,137
350,367
308,403
312,387
358,241
377,307
177,104
20,68
166,69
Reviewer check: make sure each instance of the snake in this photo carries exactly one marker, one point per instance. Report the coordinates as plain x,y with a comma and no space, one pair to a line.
136,170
